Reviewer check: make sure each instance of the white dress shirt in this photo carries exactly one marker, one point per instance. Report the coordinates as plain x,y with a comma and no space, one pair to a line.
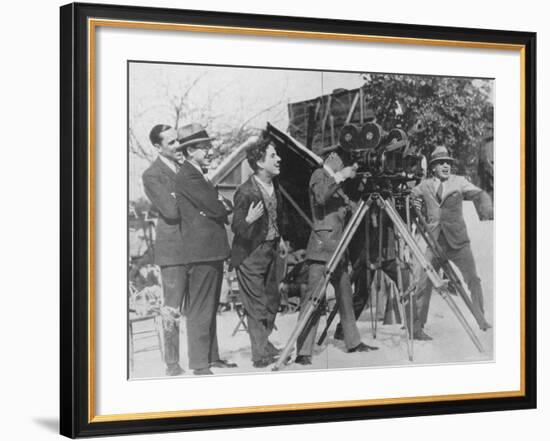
171,164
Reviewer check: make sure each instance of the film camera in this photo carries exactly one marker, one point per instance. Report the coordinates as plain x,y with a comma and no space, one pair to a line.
380,154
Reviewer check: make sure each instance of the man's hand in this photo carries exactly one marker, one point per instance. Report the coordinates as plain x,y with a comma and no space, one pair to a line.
352,206
417,202
349,171
254,212
226,203
283,249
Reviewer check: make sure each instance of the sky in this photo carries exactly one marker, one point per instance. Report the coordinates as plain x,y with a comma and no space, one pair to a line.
218,97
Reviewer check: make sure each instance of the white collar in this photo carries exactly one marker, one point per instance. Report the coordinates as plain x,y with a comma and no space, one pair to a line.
198,167
171,164
438,181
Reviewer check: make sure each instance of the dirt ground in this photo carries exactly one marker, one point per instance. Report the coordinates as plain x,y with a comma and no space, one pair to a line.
450,345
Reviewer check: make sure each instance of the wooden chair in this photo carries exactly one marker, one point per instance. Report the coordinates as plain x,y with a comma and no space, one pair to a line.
156,331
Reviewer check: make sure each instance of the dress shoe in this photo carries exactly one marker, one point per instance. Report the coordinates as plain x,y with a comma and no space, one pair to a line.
264,362
485,325
303,359
203,371
272,350
173,370
421,335
339,333
362,347
223,364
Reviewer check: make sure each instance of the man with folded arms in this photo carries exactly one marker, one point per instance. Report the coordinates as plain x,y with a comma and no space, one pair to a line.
203,217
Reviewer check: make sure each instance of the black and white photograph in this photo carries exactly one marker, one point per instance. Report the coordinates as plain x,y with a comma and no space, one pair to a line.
285,220
275,221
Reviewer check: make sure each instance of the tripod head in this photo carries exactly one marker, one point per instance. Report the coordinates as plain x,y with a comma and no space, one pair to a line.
393,187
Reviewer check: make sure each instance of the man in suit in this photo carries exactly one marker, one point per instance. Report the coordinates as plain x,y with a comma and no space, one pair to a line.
257,224
442,196
159,184
329,207
203,216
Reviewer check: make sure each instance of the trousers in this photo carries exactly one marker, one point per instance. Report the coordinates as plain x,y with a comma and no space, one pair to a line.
174,282
204,281
464,260
259,294
361,294
343,292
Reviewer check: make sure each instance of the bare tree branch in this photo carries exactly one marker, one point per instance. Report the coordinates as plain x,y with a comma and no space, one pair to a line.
261,112
137,148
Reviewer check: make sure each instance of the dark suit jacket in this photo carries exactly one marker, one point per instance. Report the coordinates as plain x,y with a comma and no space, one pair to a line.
159,183
203,217
249,236
329,209
446,217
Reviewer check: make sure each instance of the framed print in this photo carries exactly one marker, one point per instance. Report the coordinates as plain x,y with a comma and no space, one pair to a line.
273,220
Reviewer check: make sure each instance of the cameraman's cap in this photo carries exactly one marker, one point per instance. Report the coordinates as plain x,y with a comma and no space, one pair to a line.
440,153
323,152
192,134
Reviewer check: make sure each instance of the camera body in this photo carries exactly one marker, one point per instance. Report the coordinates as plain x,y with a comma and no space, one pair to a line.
382,154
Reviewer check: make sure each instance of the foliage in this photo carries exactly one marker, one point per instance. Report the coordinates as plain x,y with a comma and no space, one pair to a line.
454,112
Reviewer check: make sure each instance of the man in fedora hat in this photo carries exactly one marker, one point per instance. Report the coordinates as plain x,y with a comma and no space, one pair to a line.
159,182
329,208
442,196
203,217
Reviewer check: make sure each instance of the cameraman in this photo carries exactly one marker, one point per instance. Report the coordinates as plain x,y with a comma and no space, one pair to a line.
329,207
442,196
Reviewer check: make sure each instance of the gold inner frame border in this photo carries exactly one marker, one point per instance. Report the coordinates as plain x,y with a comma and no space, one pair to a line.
261,32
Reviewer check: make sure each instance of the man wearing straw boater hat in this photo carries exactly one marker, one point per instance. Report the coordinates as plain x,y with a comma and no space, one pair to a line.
203,217
442,196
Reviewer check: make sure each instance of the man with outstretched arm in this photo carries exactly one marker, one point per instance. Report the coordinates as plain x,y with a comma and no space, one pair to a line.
442,196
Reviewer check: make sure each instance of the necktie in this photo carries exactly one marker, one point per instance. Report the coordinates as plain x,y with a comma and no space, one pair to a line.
439,193
176,165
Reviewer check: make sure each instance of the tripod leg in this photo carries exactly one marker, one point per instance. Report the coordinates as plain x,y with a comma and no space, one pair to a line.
376,287
400,289
429,269
320,289
379,274
404,263
360,296
330,319
368,281
444,262
411,315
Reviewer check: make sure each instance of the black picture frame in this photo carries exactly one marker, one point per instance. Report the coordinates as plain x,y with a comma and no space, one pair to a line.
77,419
